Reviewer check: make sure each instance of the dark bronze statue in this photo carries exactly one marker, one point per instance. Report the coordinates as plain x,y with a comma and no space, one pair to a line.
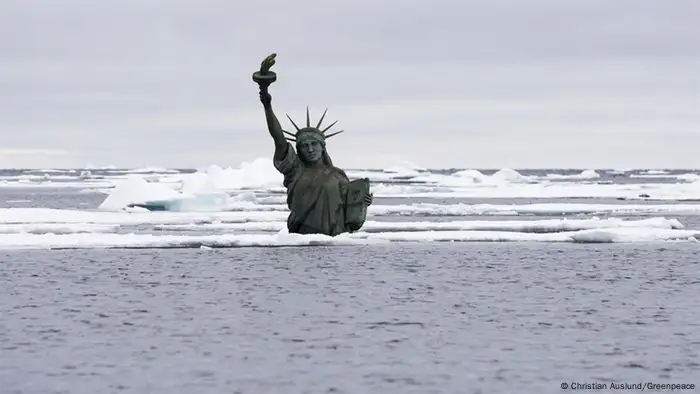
321,198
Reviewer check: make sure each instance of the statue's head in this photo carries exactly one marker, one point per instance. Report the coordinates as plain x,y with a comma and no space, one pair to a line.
311,141
310,144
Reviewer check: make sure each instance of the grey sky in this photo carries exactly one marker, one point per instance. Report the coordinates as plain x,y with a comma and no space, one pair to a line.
490,83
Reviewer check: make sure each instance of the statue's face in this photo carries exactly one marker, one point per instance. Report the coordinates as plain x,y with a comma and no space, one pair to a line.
311,149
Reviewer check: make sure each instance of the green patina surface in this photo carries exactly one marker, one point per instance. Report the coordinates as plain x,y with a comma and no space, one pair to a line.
321,198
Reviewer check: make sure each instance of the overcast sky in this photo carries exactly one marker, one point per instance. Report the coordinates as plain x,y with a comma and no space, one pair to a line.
440,83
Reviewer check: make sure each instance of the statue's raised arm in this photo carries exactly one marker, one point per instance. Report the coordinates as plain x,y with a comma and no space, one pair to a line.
320,197
264,78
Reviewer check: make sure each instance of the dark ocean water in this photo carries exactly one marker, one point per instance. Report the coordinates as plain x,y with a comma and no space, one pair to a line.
437,318
392,318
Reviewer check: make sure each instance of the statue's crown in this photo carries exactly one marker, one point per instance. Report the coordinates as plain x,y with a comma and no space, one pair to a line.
310,129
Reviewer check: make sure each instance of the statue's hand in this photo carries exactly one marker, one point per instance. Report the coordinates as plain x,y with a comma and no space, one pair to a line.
369,197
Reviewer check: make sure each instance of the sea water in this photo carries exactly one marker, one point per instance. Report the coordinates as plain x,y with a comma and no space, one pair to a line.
458,284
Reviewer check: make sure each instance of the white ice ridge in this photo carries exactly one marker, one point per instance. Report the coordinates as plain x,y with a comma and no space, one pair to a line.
205,189
523,226
586,174
83,241
198,193
209,191
49,215
241,232
530,209
544,189
57,228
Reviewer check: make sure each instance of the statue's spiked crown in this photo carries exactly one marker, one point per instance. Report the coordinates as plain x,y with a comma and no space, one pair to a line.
311,129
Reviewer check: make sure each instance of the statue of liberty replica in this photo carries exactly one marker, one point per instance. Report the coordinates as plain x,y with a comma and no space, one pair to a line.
320,197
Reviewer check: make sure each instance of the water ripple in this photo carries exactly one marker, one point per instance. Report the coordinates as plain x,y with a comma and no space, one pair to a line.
447,318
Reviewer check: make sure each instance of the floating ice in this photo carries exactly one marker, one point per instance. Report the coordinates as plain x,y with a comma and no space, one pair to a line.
586,174
50,171
523,226
246,206
467,178
471,176
134,217
530,209
147,170
136,190
197,195
585,236
52,241
53,228
397,181
259,173
57,228
401,171
510,175
49,184
47,215
22,201
654,172
689,178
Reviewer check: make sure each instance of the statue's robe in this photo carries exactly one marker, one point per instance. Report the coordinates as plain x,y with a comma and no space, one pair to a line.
315,196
